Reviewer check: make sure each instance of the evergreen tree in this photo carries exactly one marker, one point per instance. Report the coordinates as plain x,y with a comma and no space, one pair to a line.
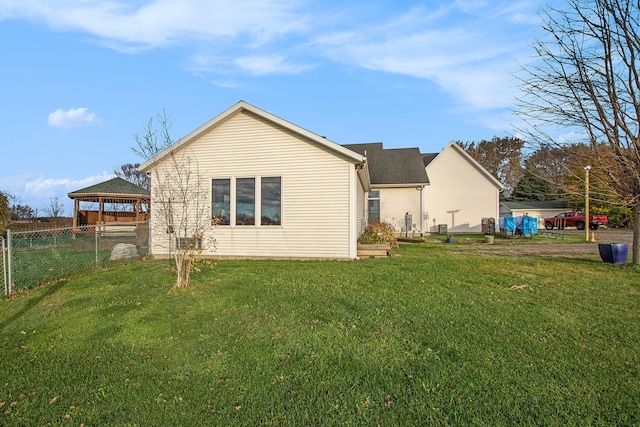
534,188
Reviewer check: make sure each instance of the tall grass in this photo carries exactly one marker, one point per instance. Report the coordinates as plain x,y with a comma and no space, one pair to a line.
428,337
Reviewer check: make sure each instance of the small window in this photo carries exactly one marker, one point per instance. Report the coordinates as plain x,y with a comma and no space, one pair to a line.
221,201
245,201
271,201
374,206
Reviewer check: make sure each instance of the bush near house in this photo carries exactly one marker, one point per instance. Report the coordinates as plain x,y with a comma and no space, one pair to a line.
377,232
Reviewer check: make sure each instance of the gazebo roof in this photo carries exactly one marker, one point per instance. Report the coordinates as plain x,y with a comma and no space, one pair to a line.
116,188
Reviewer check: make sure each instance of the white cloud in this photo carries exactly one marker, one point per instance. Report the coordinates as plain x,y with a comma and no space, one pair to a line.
471,58
469,6
269,64
41,186
75,117
149,24
36,190
466,47
226,84
572,137
256,65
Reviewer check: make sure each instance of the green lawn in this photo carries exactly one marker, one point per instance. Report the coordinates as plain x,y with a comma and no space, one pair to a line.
428,337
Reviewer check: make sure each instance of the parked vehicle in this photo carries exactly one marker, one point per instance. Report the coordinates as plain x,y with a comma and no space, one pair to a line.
574,219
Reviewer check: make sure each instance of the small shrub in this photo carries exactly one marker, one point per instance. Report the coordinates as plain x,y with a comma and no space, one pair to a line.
377,232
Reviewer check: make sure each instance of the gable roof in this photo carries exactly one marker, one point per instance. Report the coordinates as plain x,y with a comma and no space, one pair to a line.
458,149
428,158
116,188
395,167
243,106
535,204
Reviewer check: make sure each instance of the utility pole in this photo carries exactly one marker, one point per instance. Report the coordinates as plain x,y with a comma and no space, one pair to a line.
587,223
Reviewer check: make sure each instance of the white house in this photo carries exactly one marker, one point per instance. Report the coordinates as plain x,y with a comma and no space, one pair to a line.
285,192
438,190
398,180
460,192
282,191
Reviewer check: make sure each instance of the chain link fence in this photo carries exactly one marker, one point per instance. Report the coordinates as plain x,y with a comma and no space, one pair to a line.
37,256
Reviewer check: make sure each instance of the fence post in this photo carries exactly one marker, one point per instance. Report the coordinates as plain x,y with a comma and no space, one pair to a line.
4,265
9,256
96,234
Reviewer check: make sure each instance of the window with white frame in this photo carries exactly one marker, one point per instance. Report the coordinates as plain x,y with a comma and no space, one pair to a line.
373,213
247,201
271,201
221,201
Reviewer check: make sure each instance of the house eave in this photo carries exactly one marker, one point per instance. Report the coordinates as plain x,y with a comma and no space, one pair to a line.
240,107
107,196
476,165
404,185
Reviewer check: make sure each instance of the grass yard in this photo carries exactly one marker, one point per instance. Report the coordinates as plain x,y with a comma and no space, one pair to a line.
34,266
428,337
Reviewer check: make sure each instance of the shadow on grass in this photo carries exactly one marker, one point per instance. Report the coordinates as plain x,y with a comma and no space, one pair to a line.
33,302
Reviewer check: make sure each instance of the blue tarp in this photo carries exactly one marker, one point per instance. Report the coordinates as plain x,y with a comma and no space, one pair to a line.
526,225
508,223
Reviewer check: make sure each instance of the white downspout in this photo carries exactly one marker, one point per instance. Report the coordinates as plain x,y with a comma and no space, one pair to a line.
353,215
422,210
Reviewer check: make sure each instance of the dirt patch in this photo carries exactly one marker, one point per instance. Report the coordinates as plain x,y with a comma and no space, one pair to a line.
549,247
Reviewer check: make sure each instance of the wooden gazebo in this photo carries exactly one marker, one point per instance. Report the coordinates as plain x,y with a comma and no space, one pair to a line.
115,200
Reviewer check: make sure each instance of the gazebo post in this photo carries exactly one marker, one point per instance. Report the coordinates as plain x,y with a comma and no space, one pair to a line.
75,213
100,208
75,218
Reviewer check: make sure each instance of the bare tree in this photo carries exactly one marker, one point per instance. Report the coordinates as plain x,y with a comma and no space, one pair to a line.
129,172
55,208
550,163
153,140
5,211
586,80
181,214
502,157
181,209
22,212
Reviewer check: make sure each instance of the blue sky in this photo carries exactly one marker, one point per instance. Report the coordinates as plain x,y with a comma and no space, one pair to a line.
79,78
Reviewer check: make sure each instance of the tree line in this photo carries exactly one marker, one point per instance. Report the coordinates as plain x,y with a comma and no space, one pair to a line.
551,173
11,209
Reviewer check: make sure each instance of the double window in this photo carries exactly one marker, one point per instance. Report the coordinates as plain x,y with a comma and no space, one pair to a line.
244,200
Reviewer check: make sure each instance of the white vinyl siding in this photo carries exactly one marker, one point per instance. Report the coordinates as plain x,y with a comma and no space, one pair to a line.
315,187
394,205
459,195
361,209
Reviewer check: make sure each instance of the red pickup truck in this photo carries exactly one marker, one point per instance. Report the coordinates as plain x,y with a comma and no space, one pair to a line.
574,219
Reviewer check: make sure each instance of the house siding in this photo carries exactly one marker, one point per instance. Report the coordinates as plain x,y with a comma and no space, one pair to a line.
316,194
394,205
361,209
459,195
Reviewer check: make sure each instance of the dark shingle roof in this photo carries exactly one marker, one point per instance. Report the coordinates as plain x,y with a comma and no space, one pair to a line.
113,187
392,166
428,158
543,204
